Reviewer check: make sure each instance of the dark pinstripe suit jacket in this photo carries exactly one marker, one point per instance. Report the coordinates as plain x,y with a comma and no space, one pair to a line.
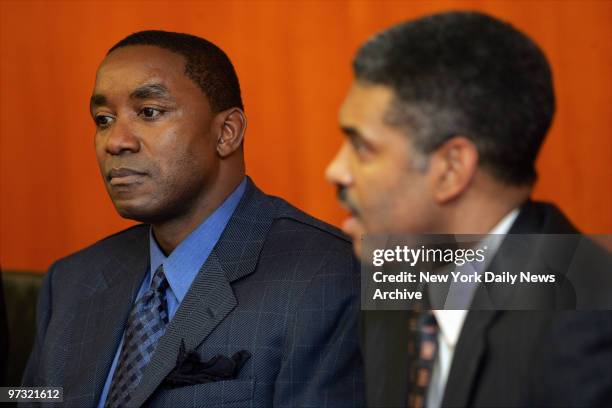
509,358
279,284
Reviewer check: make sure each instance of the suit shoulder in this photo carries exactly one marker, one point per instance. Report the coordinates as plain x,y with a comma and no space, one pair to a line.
311,250
290,218
539,217
76,276
125,239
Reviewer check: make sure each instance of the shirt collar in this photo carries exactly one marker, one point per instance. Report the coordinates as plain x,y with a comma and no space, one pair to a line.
504,225
450,322
184,263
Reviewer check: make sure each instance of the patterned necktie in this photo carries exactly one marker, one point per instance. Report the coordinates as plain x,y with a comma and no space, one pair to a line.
422,350
145,325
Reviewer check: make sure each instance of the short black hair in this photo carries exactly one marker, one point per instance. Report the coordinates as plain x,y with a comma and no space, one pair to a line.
205,63
465,73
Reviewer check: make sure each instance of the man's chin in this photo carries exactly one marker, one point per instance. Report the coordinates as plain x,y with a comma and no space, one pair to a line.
131,214
134,212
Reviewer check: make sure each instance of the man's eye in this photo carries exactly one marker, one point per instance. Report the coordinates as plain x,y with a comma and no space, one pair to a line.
103,121
150,113
358,145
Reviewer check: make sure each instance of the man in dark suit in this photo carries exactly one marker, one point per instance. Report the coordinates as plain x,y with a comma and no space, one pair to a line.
443,125
225,296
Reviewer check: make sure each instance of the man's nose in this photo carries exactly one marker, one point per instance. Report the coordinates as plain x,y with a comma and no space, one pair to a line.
337,171
122,139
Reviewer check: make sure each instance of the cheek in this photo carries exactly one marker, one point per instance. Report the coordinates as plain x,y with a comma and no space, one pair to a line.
374,197
379,185
169,149
392,199
185,165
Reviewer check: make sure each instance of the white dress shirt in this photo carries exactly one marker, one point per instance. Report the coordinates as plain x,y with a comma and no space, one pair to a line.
450,322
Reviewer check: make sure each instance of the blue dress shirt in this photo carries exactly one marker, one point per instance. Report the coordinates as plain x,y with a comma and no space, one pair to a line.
183,264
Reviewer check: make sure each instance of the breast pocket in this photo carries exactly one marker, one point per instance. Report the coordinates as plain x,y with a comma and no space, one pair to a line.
232,393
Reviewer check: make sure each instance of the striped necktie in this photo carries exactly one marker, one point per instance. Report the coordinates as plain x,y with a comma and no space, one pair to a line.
422,351
145,325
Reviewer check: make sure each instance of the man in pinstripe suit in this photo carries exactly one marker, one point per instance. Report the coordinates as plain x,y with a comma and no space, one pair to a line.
217,272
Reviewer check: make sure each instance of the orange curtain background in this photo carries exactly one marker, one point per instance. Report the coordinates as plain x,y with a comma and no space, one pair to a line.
293,60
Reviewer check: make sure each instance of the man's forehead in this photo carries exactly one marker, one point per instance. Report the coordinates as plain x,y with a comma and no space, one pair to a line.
140,64
145,54
365,102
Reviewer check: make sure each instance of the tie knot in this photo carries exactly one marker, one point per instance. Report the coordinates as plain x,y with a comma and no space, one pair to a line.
159,283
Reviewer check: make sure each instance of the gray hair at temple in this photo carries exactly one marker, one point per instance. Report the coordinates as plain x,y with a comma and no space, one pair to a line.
468,74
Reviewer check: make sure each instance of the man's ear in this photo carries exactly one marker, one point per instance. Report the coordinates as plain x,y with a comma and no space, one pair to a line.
452,168
232,125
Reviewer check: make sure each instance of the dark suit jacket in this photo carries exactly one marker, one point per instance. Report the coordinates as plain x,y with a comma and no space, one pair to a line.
279,284
4,336
506,358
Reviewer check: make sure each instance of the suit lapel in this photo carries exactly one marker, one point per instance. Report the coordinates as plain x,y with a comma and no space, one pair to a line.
471,347
467,358
206,304
99,321
210,298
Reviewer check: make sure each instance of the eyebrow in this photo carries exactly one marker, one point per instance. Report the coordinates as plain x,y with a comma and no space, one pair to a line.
97,100
149,91
351,132
356,137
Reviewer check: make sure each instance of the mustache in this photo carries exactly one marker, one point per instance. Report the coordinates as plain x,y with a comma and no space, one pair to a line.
112,168
345,200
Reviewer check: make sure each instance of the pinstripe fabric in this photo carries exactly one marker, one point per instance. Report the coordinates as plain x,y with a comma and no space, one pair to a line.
279,284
